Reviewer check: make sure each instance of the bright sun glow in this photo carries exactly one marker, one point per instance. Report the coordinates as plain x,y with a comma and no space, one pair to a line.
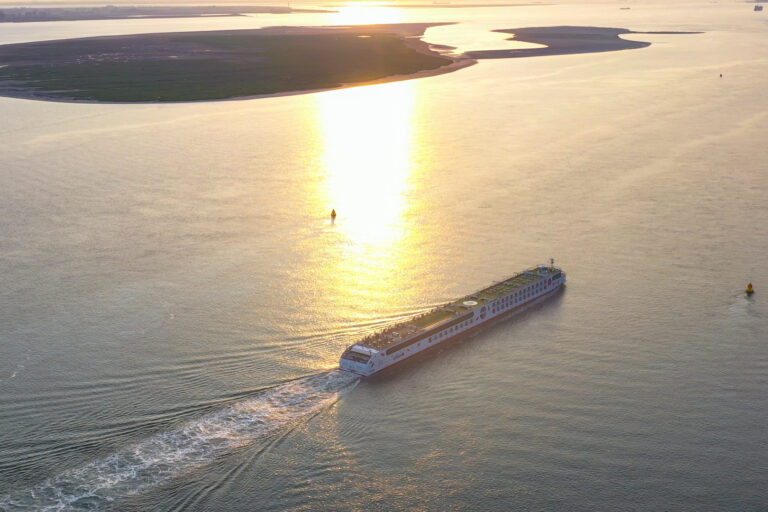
368,155
366,13
367,160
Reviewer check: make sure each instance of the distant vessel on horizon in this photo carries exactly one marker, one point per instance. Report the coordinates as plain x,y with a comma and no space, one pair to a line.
758,8
506,298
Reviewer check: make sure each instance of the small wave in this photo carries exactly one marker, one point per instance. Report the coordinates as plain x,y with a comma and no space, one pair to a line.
170,454
15,371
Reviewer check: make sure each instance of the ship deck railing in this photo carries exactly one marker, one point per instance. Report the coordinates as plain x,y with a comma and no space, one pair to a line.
432,318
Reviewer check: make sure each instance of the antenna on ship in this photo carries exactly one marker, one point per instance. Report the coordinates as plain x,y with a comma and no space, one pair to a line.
552,262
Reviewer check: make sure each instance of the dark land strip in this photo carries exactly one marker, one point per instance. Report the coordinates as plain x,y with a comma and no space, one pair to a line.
215,65
565,40
190,66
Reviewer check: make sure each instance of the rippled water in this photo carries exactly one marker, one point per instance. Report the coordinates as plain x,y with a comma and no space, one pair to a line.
175,298
186,448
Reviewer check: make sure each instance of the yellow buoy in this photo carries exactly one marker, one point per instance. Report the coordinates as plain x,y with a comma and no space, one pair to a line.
750,290
333,213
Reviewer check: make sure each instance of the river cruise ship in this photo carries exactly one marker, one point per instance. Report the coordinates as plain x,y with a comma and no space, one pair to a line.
399,342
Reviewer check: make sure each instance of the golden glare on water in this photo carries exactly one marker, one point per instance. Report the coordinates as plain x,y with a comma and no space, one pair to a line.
368,171
367,143
366,13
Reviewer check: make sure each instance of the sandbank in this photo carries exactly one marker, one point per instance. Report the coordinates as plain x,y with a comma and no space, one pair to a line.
565,40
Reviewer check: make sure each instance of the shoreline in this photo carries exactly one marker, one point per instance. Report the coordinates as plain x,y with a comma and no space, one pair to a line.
457,64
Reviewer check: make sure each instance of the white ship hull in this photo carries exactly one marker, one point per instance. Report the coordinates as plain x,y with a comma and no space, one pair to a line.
365,359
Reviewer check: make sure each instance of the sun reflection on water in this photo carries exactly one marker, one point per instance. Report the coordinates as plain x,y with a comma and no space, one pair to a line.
368,154
367,167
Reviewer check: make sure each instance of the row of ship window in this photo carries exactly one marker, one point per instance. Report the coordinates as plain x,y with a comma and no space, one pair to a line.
442,334
518,295
522,295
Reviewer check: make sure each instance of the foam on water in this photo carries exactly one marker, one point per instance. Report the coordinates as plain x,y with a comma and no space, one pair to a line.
175,452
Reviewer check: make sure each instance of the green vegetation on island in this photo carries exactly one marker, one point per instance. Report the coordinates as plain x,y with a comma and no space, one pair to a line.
210,65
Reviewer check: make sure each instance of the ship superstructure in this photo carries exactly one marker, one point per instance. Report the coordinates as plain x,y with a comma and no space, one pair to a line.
399,342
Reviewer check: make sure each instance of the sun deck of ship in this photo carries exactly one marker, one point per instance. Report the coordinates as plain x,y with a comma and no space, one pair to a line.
510,285
430,319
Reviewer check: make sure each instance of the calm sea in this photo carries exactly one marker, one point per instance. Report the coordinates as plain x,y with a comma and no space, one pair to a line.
174,298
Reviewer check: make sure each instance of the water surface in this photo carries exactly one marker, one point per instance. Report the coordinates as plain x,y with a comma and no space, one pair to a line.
175,297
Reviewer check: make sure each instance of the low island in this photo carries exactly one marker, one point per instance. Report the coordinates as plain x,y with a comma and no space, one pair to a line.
192,66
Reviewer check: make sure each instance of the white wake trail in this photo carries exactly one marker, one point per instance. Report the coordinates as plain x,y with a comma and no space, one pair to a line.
170,454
